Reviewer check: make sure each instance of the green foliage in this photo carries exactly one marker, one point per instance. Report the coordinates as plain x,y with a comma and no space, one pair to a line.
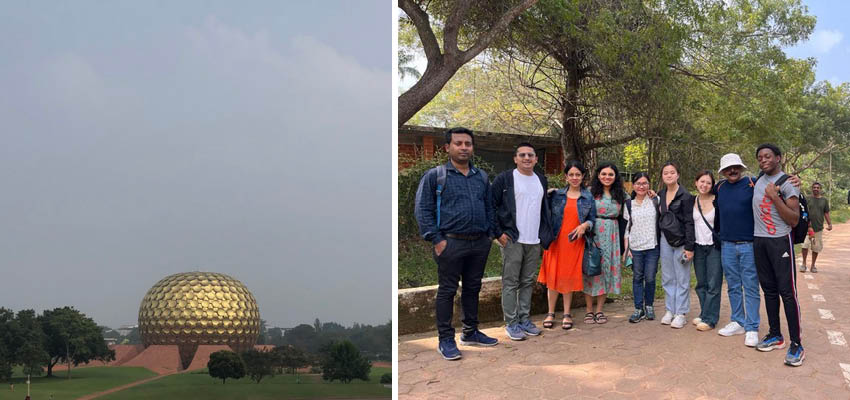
225,364
71,337
342,361
259,364
416,266
290,358
386,379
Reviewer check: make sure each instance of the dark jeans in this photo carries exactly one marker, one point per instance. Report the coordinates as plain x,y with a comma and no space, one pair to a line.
709,272
644,266
777,272
462,260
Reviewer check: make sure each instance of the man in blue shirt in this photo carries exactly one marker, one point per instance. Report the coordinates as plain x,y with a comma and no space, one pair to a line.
461,229
734,223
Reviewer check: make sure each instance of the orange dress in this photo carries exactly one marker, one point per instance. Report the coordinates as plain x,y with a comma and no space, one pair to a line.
561,268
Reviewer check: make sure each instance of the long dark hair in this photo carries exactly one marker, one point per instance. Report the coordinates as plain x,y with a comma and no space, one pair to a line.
579,166
635,177
617,191
710,175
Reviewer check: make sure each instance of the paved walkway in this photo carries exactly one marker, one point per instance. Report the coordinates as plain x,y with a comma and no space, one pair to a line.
649,360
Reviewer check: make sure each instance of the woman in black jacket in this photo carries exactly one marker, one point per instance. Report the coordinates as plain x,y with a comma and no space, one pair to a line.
677,246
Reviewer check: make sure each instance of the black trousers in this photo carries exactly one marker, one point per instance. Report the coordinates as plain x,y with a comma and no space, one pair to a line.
462,260
777,271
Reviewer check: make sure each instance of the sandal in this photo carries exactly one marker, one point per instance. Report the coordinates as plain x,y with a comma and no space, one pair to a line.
589,318
567,325
601,318
550,323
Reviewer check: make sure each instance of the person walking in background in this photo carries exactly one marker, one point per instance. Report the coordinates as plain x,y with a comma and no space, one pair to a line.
709,272
573,216
454,211
609,197
523,231
776,210
641,244
818,212
677,246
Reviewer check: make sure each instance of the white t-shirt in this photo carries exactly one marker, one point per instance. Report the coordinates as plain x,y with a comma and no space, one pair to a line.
528,193
701,230
641,235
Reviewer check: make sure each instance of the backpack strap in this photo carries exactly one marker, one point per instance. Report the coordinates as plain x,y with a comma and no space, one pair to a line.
441,183
631,216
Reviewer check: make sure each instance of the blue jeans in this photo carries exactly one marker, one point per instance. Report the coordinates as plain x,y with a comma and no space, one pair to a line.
645,266
709,275
742,280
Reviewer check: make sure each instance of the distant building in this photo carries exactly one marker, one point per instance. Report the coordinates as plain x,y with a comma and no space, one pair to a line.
497,148
125,330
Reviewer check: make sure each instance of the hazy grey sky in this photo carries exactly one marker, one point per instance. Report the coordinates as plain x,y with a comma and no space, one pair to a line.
144,138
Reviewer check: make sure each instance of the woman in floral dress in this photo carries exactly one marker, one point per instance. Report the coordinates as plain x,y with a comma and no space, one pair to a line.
609,196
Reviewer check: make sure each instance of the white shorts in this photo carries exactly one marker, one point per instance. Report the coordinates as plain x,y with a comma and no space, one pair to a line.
814,243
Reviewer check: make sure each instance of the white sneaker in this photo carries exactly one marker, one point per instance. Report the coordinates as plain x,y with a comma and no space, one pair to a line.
679,321
696,320
667,318
732,328
752,339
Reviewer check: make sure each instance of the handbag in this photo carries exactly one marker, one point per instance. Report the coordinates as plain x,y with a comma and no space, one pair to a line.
591,263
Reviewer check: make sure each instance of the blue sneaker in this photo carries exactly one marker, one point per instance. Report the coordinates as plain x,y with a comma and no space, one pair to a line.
448,349
515,332
771,342
795,355
477,338
529,328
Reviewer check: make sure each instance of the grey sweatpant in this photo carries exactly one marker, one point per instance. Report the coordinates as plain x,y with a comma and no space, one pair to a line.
520,263
675,278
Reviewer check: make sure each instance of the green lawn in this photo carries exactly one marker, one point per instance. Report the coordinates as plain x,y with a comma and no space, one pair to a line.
199,385
416,266
83,381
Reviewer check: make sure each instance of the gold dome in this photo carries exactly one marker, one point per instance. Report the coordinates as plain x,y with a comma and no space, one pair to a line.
197,308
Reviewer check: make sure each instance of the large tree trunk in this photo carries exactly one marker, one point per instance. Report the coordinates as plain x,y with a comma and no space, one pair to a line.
436,75
572,140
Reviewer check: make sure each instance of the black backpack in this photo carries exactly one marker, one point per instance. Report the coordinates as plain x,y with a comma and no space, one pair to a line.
799,232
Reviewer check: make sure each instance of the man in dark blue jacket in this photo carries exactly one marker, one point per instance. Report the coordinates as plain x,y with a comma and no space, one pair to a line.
454,211
522,228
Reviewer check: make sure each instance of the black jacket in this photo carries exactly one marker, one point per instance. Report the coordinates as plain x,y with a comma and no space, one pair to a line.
683,213
504,204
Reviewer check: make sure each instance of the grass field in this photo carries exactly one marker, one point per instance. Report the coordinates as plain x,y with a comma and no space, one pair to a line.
199,385
83,381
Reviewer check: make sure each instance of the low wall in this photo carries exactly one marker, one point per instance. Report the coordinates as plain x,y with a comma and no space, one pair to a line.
416,305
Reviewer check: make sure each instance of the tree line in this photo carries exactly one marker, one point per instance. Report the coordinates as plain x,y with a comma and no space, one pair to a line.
375,342
59,336
341,361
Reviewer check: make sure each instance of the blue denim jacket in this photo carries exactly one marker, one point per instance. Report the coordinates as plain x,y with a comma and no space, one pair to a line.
586,210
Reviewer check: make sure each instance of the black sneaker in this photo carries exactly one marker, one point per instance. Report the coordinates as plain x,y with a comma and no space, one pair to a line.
638,315
650,313
448,349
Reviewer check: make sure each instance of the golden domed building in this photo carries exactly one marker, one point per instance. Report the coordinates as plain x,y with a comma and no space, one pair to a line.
199,308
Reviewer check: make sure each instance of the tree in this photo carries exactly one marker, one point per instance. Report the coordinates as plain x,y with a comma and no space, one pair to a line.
290,358
259,364
225,364
31,353
7,343
302,336
442,64
343,361
71,337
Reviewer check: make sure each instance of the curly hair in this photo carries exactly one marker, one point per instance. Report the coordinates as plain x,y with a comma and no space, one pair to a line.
617,191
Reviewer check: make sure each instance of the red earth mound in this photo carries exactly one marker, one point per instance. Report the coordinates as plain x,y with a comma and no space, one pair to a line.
162,359
202,356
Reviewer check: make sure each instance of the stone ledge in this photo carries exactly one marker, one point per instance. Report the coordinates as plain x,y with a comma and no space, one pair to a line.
416,305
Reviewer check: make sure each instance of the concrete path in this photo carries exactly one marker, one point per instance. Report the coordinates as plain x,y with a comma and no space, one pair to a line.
649,360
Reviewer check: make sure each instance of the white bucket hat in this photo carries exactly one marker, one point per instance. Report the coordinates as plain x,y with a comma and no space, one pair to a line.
729,160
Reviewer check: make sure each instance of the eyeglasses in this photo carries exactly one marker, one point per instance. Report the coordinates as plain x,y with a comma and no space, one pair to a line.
642,184
524,155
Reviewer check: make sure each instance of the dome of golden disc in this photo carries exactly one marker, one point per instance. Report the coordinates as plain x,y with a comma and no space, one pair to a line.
194,308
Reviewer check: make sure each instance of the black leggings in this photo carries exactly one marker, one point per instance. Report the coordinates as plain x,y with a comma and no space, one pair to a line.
777,273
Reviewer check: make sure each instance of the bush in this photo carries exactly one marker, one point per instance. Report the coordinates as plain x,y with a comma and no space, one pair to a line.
259,364
386,379
344,362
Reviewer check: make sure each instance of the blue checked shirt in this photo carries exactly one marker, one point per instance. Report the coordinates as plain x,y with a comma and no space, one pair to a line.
466,205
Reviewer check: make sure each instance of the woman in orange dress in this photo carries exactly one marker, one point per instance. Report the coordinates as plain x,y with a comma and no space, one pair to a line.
573,214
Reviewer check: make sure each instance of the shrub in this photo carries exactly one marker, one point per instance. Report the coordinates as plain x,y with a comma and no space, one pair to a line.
226,364
386,379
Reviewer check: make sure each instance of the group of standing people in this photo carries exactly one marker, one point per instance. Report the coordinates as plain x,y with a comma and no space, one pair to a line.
739,227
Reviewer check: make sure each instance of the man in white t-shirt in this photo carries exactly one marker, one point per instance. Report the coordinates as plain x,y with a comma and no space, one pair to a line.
522,219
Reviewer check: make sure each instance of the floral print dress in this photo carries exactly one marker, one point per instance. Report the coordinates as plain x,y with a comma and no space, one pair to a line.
607,237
